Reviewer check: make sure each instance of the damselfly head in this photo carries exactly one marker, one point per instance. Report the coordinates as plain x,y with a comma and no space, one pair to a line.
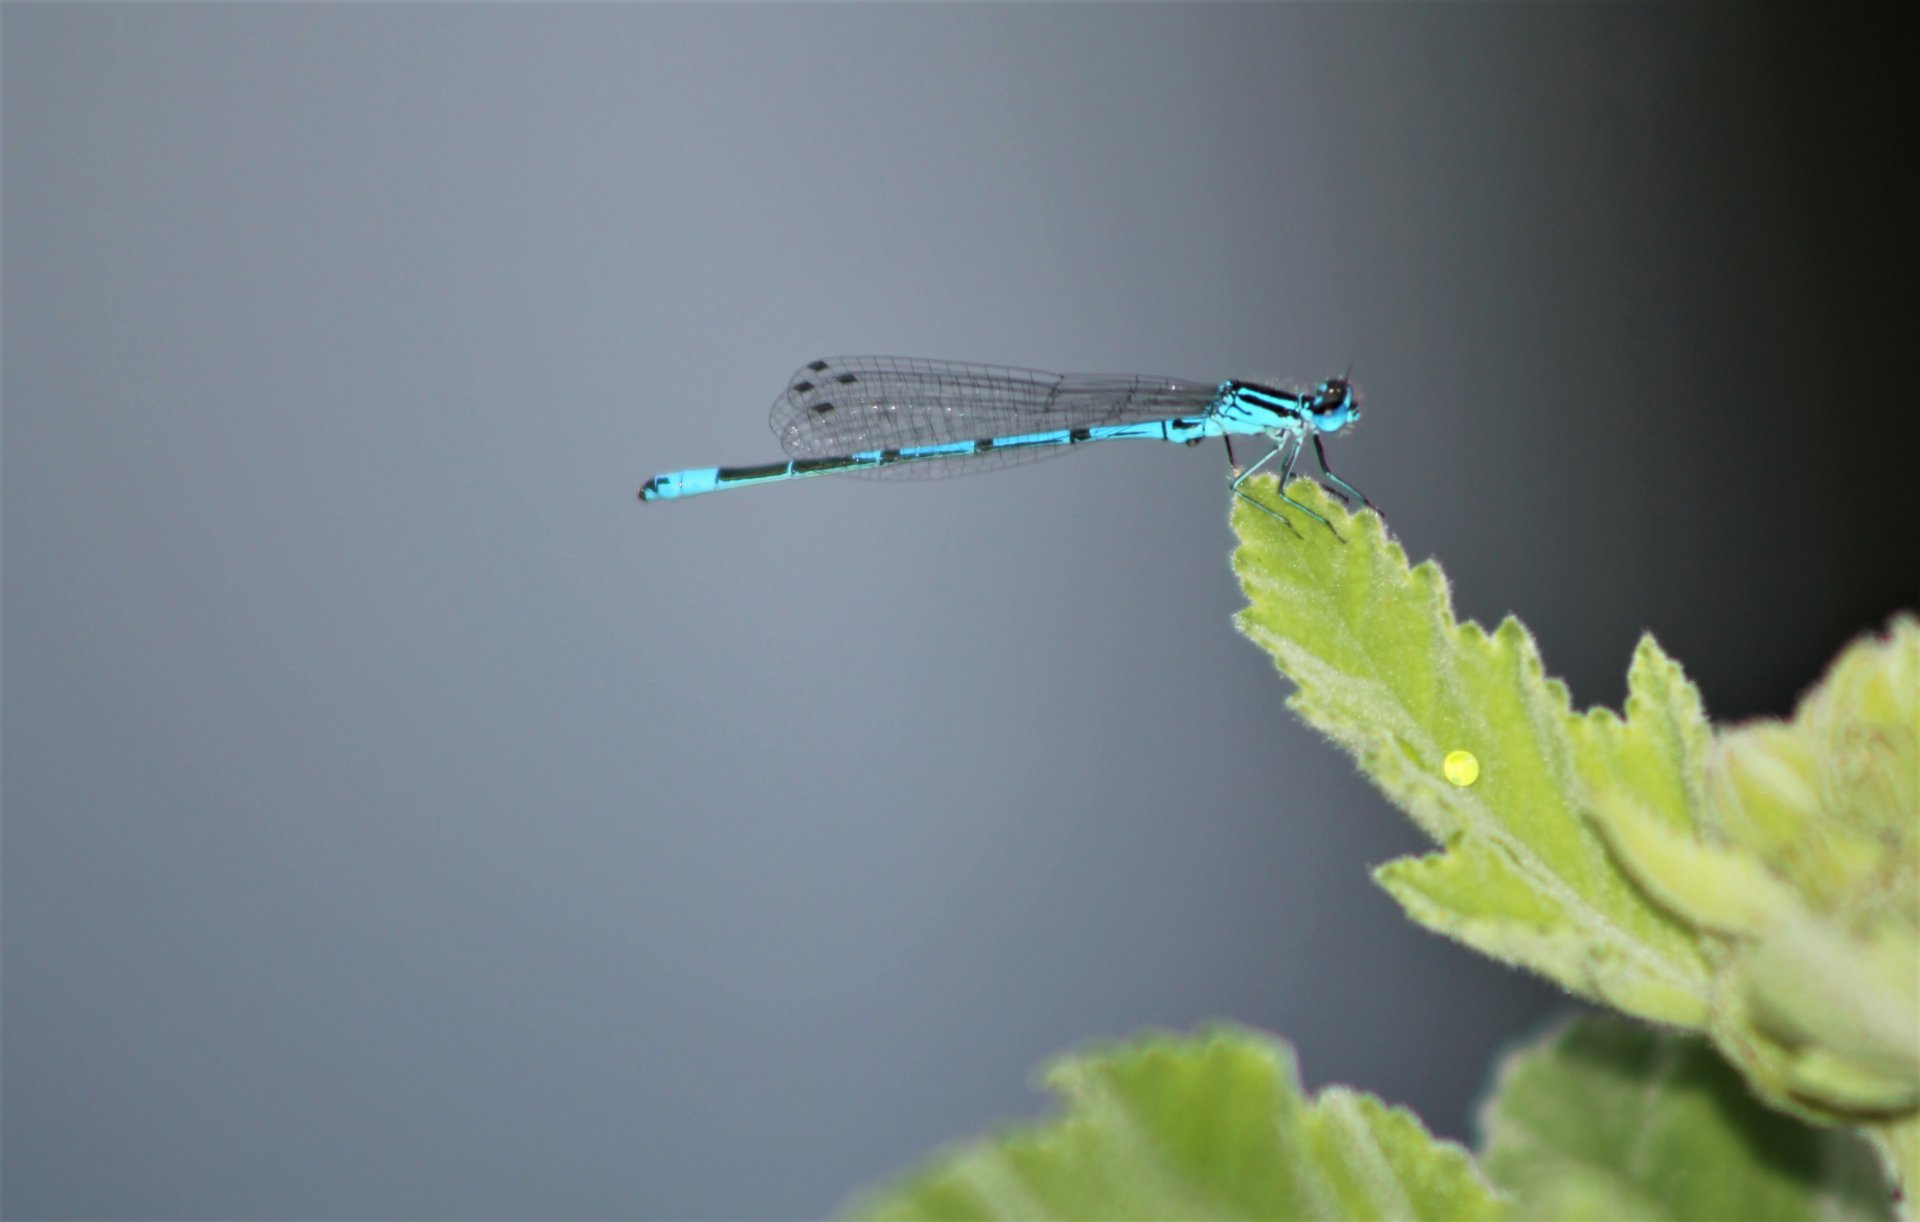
1334,405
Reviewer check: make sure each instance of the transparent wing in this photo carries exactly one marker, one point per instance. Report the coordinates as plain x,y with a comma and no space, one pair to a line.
847,404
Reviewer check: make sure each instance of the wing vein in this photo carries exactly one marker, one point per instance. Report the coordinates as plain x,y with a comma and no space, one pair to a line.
849,404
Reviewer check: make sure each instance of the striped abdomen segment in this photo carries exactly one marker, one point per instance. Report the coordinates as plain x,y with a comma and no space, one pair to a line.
678,484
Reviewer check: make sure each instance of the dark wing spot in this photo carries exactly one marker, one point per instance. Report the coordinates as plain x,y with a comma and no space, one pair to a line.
846,379
801,388
1081,435
817,366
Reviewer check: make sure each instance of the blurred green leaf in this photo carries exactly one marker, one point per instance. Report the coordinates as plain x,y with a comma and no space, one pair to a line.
1186,1128
1803,879
1607,1119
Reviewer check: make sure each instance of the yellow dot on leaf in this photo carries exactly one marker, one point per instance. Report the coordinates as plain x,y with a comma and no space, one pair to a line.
1461,767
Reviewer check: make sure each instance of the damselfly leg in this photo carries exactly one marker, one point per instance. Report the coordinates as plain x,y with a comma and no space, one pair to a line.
1342,488
1291,445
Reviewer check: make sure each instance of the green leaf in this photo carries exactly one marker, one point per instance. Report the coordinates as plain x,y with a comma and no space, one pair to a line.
1803,878
1762,885
1815,824
1209,1127
1607,1119
1384,669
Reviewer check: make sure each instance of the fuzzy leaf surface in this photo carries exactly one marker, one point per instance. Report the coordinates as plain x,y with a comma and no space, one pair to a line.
1384,669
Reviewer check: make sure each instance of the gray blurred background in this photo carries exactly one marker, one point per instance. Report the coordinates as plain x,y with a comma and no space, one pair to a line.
402,821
